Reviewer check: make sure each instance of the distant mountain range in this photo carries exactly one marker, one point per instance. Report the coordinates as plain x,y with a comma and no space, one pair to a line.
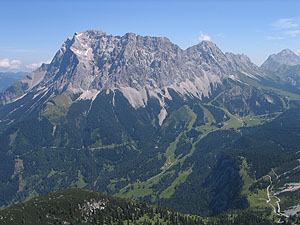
8,78
197,130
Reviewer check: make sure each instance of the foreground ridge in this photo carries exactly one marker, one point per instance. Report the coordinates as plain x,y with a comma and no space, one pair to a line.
78,206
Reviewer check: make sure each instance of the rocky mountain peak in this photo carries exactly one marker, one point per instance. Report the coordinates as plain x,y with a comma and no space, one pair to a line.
207,55
285,57
242,63
206,47
286,53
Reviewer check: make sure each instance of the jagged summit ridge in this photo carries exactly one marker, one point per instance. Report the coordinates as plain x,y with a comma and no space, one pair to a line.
138,66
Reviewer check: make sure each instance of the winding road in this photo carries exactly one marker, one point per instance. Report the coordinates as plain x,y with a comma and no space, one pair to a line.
276,211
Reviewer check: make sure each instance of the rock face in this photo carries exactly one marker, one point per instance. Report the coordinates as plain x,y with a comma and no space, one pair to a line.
242,63
285,57
139,67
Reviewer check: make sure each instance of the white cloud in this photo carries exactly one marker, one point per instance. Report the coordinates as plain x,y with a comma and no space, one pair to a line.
298,52
285,28
10,64
286,23
204,37
15,64
292,33
4,63
18,65
274,38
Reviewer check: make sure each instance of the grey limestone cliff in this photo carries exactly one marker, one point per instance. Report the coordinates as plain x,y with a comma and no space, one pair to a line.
138,66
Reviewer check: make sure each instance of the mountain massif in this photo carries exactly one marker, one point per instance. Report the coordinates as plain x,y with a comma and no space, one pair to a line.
137,67
196,130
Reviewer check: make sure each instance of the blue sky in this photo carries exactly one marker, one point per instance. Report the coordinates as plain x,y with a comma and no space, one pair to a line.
32,31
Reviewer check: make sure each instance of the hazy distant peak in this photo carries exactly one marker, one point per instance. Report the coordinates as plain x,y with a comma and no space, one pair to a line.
285,57
286,52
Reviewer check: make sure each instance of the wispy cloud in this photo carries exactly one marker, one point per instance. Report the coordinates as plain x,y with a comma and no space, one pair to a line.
285,28
18,50
274,38
204,37
287,23
220,35
292,33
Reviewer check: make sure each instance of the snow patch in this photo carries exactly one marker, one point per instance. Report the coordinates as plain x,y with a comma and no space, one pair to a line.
232,77
81,47
78,34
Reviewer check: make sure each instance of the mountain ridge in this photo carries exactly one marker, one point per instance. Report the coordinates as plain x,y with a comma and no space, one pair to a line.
140,67
79,42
